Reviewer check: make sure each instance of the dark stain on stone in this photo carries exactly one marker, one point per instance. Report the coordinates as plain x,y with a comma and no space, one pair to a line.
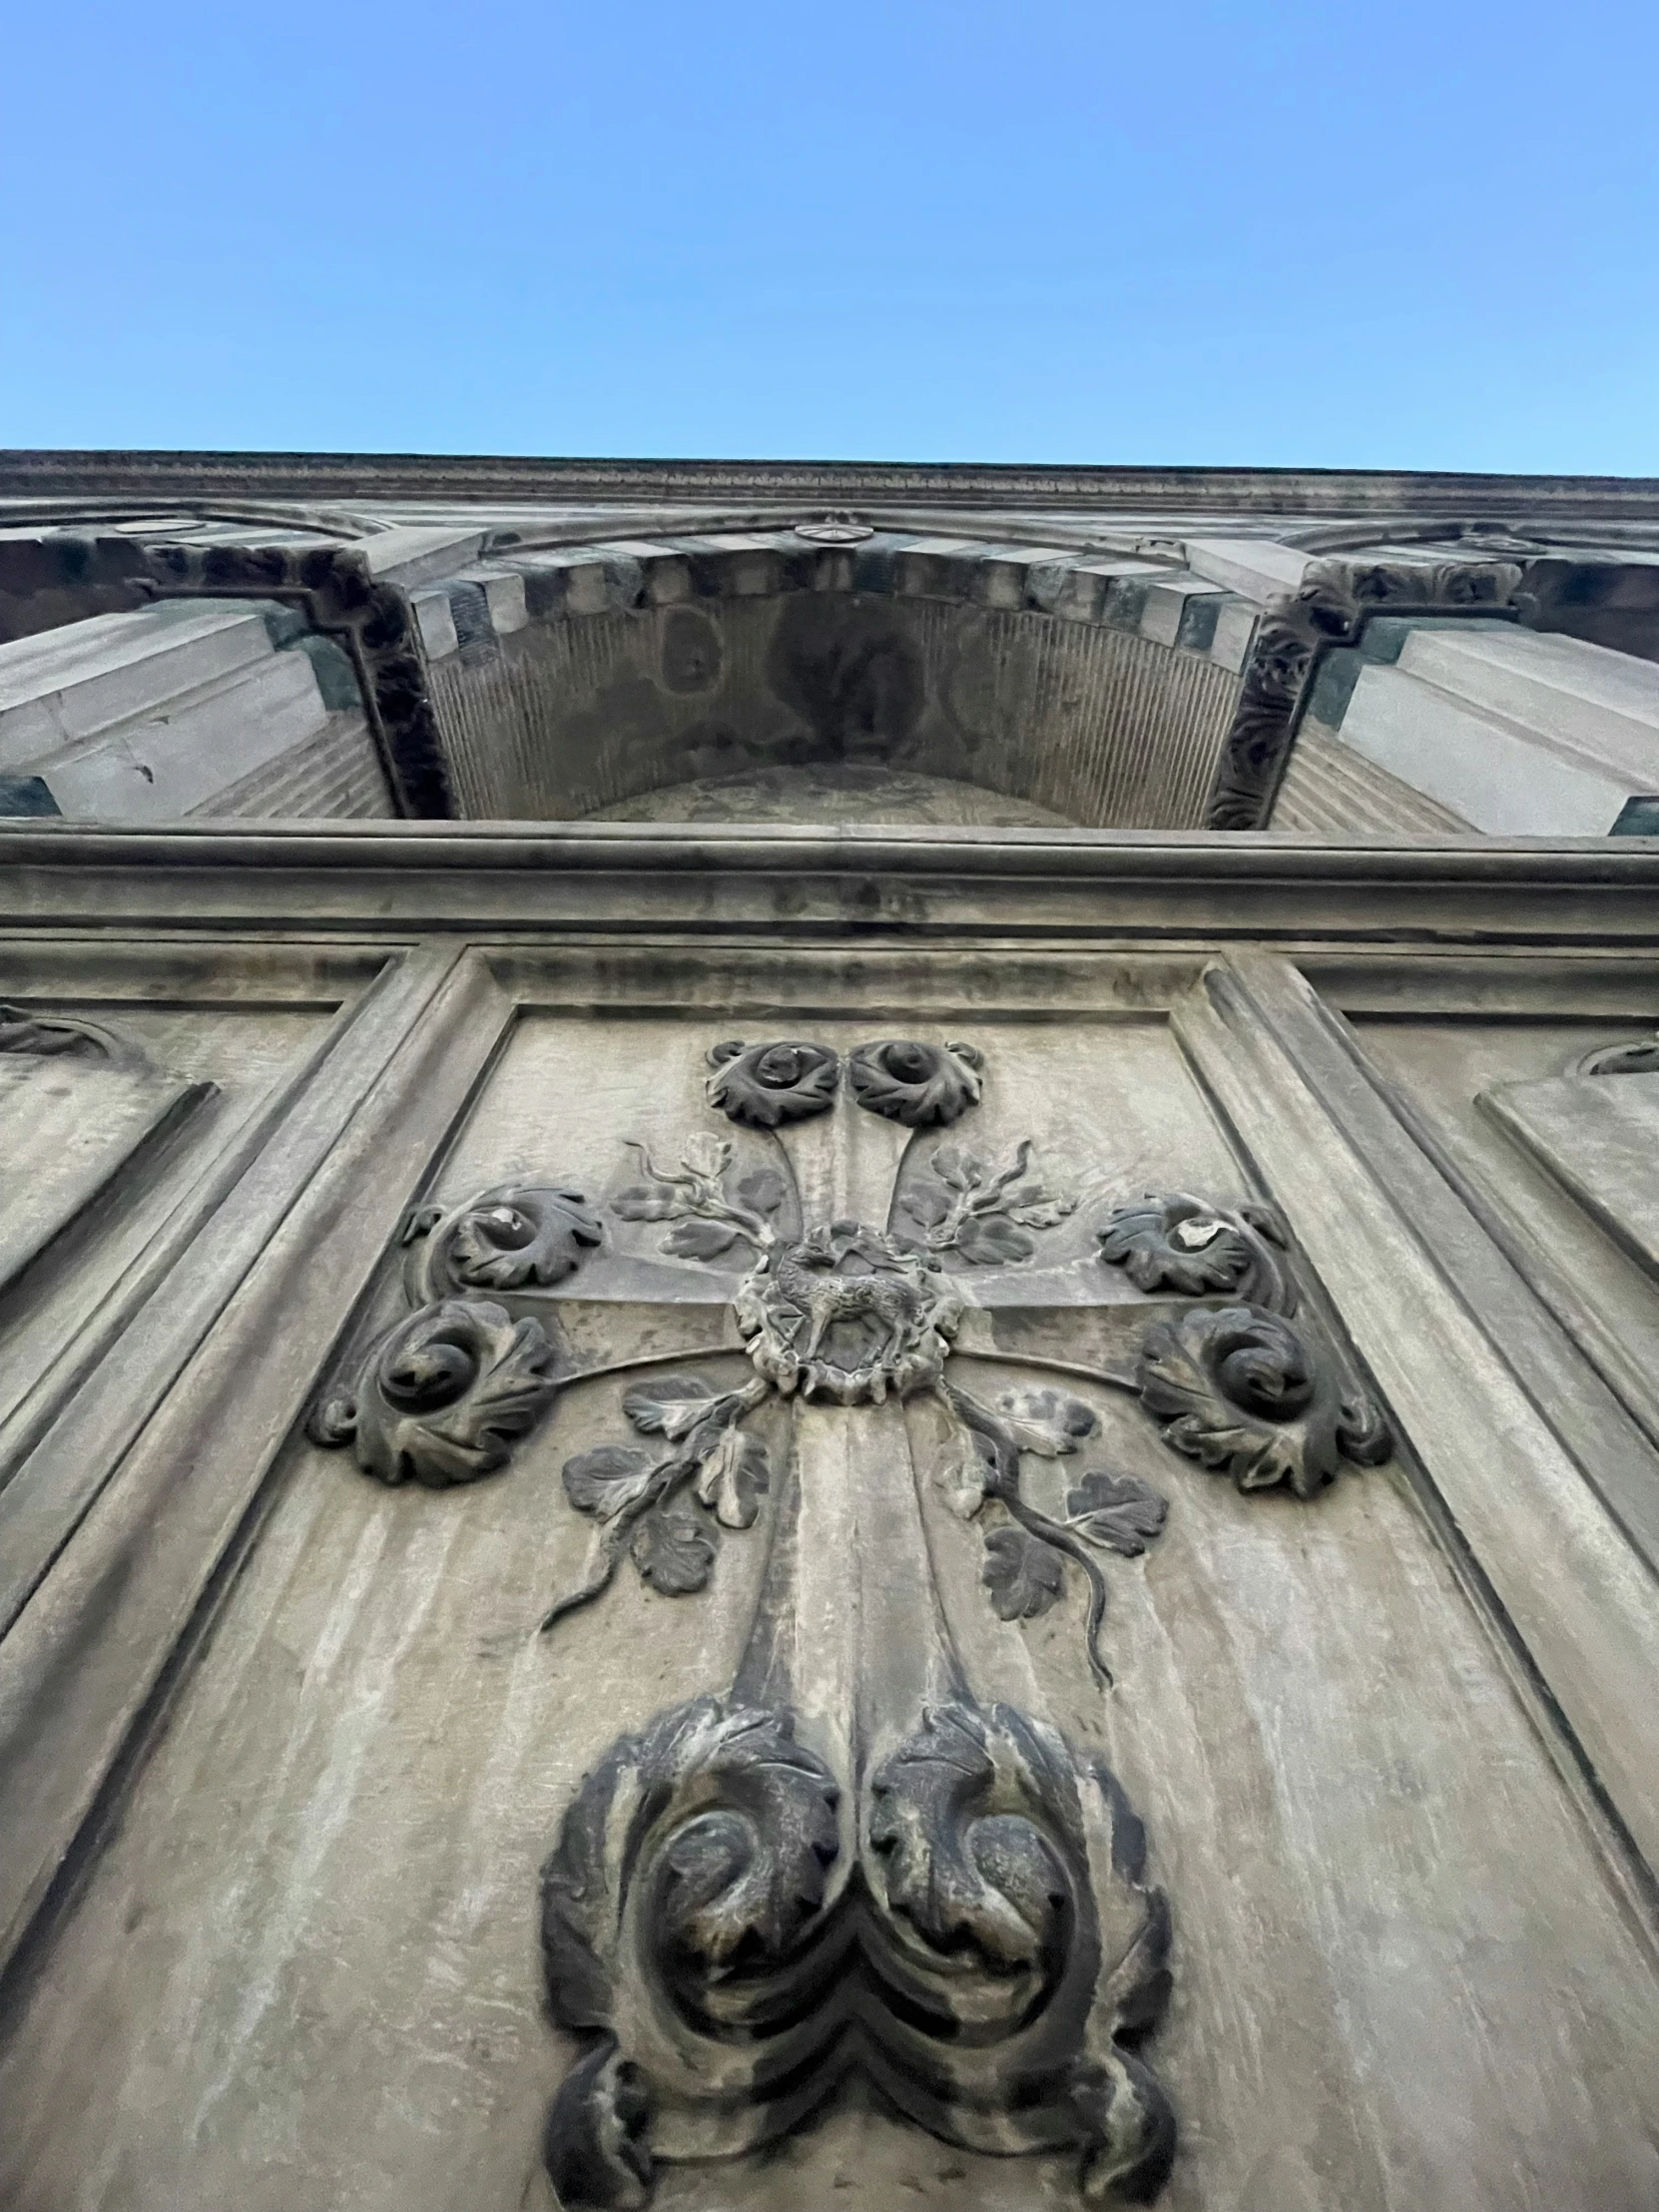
848,669
692,655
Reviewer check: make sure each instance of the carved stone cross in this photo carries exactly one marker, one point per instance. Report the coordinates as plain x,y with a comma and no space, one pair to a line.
850,1858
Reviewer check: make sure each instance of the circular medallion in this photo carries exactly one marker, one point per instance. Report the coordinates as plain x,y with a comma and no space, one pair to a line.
834,533
849,1313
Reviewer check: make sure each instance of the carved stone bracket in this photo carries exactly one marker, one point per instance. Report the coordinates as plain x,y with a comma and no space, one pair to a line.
1329,608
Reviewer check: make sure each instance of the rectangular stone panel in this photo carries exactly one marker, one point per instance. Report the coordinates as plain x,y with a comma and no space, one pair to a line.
304,1968
69,1132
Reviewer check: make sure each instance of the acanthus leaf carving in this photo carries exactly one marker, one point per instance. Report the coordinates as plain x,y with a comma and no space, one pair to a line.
698,1854
1030,1961
1118,1512
635,1500
522,1236
723,1950
924,1086
1175,1242
1243,1392
768,1086
985,1214
1024,1555
442,1395
708,1220
596,2143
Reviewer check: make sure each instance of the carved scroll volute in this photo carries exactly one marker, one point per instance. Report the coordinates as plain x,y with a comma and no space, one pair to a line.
1245,1392
924,1086
684,1914
1172,1241
1019,1949
441,1396
35,1035
990,1961
769,1086
1246,1389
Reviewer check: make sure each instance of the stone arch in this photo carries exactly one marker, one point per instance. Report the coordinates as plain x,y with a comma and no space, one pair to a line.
1062,683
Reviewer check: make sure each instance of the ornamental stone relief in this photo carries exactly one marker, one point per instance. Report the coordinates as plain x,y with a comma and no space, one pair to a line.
852,1858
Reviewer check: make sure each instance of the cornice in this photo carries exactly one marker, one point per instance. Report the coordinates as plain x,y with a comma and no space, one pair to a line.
793,885
816,849
357,477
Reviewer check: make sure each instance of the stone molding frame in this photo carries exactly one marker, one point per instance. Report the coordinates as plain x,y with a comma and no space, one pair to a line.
1334,602
374,620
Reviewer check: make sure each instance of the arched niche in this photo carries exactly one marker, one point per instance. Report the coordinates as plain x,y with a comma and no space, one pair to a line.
1065,684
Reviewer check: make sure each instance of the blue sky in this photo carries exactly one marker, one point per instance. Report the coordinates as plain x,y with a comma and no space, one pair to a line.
1406,236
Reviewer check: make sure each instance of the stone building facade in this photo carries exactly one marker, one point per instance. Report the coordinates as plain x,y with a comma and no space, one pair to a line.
828,1322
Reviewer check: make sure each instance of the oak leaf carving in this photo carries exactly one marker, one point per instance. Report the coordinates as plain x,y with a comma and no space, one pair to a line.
1024,1576
1119,1511
671,1406
673,1548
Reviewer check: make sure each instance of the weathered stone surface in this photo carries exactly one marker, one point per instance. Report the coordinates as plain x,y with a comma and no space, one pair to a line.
834,793
1514,733
187,707
1003,1476
1398,1883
